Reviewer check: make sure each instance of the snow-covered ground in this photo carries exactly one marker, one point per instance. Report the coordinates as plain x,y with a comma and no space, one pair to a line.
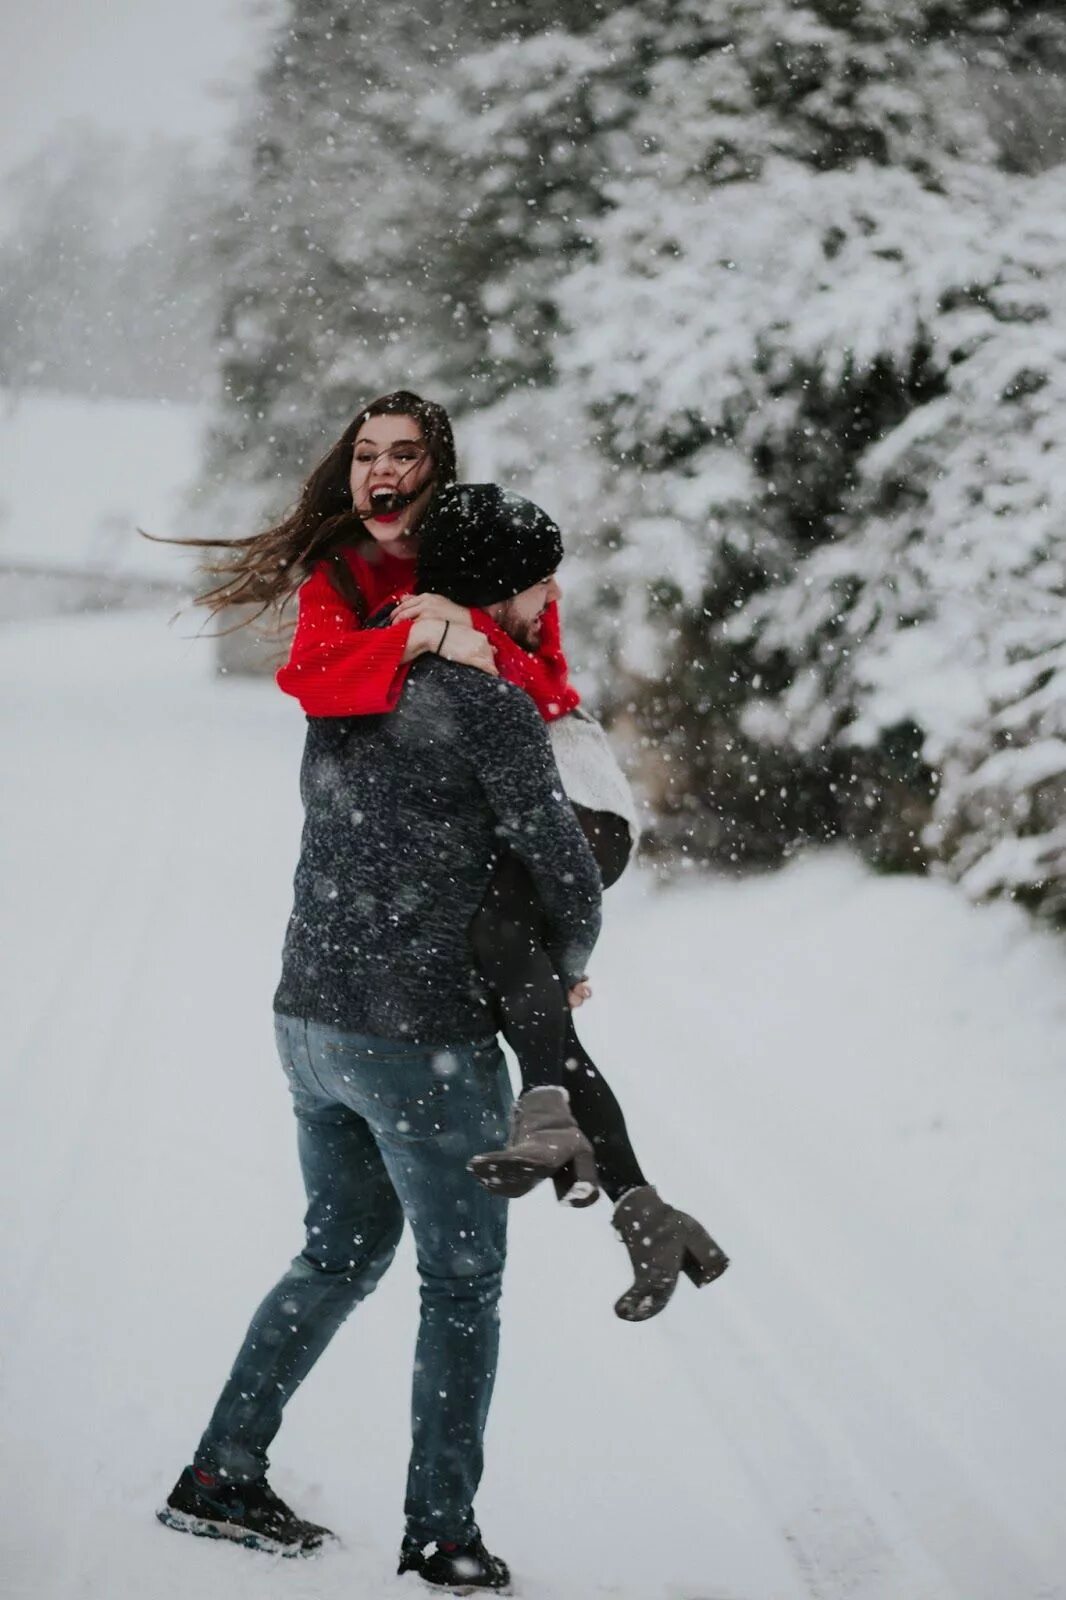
859,1083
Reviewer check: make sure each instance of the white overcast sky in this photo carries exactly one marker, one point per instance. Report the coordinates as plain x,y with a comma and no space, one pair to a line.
134,65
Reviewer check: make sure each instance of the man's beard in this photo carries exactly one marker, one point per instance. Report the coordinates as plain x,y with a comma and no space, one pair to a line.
526,634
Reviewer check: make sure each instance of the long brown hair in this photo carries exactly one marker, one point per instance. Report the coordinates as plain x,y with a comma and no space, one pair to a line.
266,569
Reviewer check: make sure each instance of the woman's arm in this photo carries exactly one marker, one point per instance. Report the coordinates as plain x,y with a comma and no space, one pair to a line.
544,676
338,669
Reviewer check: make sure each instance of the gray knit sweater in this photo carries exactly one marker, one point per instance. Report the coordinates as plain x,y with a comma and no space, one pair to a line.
406,816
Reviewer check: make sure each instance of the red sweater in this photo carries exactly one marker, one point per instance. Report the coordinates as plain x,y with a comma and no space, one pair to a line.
338,669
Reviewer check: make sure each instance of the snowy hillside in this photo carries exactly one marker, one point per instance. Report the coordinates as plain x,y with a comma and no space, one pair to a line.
857,1082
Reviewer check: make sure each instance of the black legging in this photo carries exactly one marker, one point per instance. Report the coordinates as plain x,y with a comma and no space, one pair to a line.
535,1019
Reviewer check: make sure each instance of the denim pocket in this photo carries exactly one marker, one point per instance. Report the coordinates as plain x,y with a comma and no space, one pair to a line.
444,1091
421,1112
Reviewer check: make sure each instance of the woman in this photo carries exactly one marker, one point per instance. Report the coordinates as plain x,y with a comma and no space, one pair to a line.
350,548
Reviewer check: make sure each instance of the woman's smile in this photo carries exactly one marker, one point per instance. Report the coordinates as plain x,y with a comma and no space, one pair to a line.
388,506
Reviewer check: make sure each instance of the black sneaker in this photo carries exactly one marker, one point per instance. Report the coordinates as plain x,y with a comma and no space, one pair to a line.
247,1513
459,1568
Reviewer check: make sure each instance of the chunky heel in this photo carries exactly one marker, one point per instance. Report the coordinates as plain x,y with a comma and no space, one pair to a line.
662,1243
578,1183
703,1260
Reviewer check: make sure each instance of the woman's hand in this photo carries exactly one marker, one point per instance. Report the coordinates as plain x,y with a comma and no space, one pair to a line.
461,643
466,645
579,994
434,606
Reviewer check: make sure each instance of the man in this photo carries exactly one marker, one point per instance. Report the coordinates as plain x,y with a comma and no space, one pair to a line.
385,1031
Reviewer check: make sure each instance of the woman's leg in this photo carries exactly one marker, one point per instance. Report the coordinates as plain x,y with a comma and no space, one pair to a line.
599,1116
662,1242
534,1016
508,938
596,1111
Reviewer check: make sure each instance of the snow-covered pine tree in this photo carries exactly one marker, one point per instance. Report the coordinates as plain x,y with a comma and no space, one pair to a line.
311,242
571,124
795,211
344,260
936,618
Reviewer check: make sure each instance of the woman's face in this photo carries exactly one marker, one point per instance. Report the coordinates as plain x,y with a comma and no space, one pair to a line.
390,456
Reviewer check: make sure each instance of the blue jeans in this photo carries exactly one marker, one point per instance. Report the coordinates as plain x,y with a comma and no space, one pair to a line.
385,1130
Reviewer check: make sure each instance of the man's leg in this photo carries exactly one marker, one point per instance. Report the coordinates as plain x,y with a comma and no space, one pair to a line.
353,1223
460,1236
430,1112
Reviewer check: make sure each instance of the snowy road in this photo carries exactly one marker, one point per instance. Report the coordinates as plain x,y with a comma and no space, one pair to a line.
860,1084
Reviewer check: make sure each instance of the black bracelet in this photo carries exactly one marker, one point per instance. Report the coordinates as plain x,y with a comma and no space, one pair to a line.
443,636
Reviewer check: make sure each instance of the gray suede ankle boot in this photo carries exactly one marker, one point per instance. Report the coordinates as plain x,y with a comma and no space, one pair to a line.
545,1142
662,1243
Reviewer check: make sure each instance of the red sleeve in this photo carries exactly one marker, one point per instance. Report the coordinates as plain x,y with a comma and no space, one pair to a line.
544,676
335,667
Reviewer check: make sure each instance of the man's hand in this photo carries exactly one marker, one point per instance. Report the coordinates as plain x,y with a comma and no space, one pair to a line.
434,606
462,644
579,994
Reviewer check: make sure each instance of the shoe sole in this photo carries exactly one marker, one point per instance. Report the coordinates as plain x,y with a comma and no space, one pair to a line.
513,1179
462,1588
510,1180
201,1528
658,1293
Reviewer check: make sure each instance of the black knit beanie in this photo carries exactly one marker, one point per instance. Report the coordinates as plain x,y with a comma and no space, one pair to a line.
478,543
